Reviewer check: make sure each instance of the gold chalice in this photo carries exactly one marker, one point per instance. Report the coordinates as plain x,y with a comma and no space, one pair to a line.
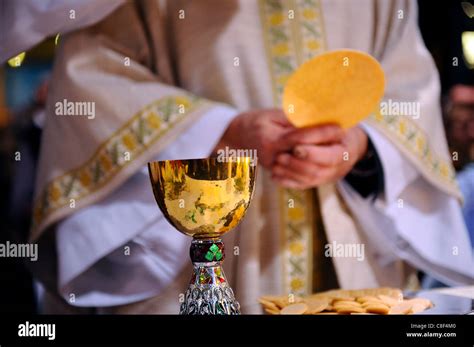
204,199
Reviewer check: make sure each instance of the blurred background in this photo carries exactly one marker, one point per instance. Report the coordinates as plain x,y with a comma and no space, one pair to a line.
448,32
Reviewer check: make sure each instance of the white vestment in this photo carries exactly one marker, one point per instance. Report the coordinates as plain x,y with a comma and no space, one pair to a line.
115,247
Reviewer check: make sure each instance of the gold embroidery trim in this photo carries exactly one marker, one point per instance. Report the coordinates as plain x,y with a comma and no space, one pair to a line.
416,142
292,34
140,132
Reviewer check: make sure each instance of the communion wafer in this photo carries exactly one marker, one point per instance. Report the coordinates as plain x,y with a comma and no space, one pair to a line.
284,301
268,304
366,298
347,309
270,311
346,303
360,313
419,304
315,305
343,298
388,300
332,313
402,308
299,308
341,87
392,292
373,303
377,308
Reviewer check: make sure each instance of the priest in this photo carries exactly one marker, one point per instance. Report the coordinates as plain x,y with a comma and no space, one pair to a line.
187,79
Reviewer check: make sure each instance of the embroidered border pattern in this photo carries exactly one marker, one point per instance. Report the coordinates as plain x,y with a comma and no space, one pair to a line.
280,45
115,153
293,34
416,141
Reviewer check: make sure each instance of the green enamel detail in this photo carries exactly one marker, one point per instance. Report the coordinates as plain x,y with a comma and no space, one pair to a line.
214,252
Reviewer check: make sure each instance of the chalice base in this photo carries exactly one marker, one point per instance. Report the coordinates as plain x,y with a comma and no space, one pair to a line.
209,292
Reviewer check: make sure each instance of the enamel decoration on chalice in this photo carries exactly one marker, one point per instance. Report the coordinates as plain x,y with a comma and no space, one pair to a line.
204,199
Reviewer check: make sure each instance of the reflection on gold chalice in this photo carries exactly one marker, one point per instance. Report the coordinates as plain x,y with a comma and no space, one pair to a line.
204,199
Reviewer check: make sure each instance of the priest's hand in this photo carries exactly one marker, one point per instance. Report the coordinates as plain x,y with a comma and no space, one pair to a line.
262,130
320,155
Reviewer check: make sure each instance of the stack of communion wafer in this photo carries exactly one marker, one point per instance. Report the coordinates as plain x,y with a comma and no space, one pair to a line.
363,301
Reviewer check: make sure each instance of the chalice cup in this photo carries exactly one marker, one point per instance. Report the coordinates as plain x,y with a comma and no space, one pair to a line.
204,199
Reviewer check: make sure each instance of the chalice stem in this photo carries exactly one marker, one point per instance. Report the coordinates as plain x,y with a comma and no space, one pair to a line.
208,291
